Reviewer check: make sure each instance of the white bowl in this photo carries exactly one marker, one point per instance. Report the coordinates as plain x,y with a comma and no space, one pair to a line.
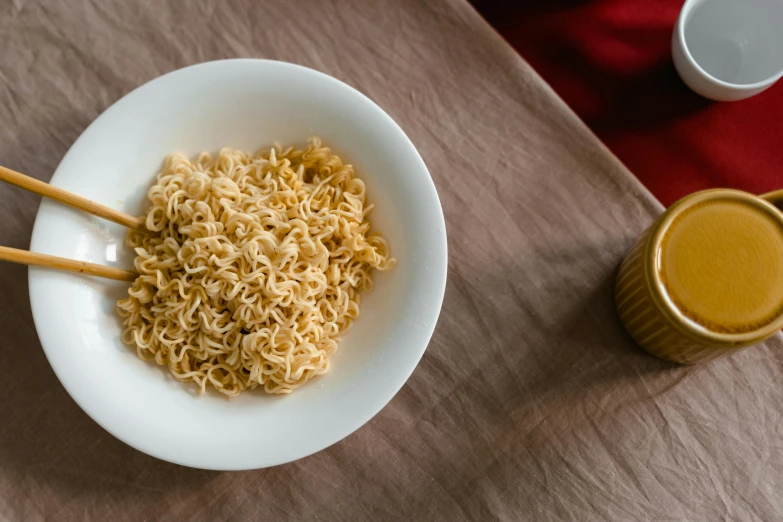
243,104
728,50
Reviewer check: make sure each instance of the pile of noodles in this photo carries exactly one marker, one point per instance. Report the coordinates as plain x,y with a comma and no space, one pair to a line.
253,269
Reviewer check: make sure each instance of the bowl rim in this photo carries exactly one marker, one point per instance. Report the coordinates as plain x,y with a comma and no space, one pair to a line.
439,276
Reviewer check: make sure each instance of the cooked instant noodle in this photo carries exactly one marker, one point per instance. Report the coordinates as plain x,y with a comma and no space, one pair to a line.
253,268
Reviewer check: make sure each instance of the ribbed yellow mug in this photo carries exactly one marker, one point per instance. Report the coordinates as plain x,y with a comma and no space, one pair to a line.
706,279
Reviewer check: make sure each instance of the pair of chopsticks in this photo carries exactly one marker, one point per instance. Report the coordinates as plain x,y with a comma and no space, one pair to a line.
72,200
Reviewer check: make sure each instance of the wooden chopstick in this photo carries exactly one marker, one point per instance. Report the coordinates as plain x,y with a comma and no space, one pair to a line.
83,267
67,198
72,200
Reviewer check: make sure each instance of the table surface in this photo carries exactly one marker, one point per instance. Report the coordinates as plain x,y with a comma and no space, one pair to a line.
610,60
531,402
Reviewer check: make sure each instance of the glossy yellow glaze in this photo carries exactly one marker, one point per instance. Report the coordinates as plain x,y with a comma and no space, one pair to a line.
706,279
721,264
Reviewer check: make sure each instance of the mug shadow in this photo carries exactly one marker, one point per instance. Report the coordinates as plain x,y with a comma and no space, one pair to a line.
561,360
498,11
635,86
587,346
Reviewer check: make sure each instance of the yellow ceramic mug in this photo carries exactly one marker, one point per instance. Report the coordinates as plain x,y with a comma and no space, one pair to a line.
706,279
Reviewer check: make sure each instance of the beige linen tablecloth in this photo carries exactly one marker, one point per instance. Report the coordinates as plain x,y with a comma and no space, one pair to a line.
531,403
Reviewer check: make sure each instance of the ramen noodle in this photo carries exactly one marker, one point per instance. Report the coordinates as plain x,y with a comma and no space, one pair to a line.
252,268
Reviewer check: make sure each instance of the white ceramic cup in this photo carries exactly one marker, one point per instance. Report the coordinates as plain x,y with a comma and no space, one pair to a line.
729,50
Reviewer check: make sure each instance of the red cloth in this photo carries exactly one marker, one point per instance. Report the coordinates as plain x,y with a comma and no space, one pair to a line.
610,61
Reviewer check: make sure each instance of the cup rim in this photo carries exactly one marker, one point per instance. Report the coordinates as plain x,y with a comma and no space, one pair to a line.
680,31
684,324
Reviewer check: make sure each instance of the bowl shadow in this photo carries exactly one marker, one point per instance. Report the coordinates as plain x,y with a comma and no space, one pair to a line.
47,438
